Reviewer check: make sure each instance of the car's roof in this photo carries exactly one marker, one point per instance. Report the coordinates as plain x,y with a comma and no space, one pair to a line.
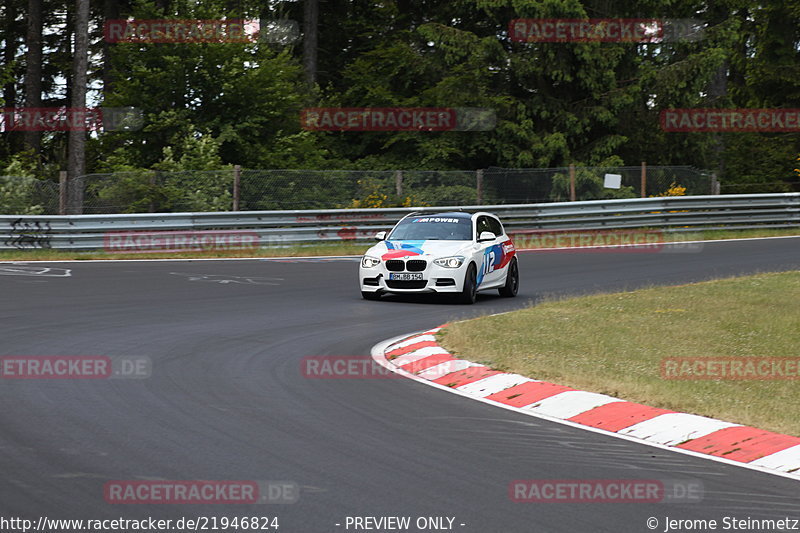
445,214
449,214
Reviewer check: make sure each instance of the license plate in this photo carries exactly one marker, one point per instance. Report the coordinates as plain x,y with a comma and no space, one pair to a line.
406,277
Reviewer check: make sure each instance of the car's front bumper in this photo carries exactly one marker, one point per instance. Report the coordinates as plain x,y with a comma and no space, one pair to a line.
434,279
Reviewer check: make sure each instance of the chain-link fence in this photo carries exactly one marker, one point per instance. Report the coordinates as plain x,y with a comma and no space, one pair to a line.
247,190
156,192
24,195
313,189
341,189
521,186
790,185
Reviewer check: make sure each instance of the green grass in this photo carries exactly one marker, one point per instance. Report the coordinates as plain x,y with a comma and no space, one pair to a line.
337,248
645,235
614,344
745,233
289,251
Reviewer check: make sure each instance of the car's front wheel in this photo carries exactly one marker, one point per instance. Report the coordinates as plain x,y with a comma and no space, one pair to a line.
371,295
470,289
512,280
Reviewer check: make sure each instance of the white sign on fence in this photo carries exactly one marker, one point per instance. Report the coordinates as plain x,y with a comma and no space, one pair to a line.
612,181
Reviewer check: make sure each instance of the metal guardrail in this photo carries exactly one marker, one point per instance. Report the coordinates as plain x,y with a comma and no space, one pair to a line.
269,228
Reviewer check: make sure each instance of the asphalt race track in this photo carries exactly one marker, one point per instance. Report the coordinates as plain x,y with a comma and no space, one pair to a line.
227,400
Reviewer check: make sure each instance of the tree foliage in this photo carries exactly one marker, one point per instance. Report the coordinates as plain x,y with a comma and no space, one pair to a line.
208,106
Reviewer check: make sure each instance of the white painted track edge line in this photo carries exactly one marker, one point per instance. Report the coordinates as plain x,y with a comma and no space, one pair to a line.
652,245
287,258
377,352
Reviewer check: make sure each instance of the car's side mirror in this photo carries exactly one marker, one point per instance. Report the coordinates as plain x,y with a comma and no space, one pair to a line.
381,235
486,236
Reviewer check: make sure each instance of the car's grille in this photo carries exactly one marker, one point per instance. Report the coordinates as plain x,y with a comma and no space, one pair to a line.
412,265
394,265
416,265
394,284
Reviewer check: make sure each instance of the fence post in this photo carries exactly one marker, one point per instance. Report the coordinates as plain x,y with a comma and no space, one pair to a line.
572,195
479,185
237,177
644,180
62,192
153,191
715,186
398,182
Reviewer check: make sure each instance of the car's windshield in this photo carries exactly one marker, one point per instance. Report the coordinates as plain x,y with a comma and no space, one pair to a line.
433,228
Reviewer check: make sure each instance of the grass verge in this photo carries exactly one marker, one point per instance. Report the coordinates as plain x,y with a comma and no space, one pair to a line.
540,239
615,343
289,251
338,248
743,233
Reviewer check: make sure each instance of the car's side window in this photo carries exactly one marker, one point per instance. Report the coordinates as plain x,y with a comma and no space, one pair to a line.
495,226
482,225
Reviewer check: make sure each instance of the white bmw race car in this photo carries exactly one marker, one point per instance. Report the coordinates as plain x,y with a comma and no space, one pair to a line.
455,252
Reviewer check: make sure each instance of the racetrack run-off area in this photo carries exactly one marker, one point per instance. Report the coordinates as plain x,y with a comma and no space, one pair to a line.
226,398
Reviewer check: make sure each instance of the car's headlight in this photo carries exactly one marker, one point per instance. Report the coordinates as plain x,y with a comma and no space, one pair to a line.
369,261
449,262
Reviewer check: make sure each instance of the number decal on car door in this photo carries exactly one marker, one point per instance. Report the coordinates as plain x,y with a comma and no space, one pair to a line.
488,263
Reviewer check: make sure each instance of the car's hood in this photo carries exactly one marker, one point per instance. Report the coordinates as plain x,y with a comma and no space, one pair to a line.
399,249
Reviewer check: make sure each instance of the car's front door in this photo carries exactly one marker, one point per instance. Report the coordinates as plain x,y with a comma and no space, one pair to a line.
491,252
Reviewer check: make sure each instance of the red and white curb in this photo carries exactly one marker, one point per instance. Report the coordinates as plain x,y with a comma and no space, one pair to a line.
419,357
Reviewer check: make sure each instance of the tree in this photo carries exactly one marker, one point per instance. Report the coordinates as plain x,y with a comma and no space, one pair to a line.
556,102
33,68
310,38
12,36
76,163
111,11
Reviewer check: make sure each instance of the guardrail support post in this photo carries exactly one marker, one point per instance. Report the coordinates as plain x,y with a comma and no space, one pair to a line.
479,186
237,177
572,195
398,182
62,192
644,179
